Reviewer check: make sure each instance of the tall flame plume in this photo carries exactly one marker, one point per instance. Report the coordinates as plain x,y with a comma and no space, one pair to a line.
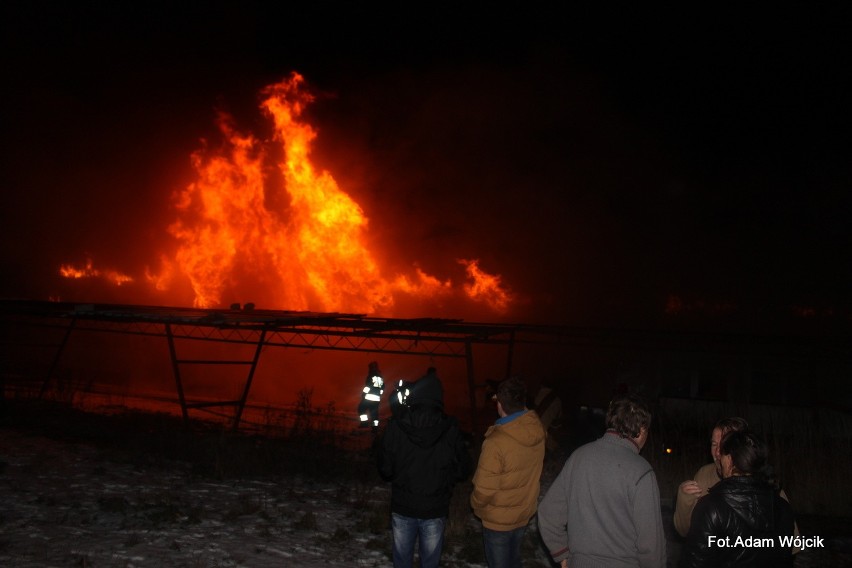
261,220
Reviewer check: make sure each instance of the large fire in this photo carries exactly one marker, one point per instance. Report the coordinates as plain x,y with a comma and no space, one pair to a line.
260,219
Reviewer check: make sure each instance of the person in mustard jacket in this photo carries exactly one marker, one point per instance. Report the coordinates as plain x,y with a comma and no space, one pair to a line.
506,482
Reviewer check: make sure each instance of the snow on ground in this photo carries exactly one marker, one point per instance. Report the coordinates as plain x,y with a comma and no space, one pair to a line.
68,503
65,503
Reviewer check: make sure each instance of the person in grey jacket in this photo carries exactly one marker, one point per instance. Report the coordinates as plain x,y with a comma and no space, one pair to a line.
603,510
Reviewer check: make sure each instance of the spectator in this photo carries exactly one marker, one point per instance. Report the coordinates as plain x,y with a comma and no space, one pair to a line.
604,507
422,454
706,477
744,504
506,482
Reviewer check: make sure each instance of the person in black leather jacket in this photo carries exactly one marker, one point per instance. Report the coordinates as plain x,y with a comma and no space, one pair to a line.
741,520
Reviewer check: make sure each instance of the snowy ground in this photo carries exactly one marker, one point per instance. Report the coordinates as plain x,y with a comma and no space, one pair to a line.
66,503
70,504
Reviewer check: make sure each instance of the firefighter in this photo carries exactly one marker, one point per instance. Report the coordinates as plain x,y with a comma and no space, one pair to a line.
400,396
371,395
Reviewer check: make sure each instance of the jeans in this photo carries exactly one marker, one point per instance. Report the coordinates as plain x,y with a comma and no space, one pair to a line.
405,533
503,548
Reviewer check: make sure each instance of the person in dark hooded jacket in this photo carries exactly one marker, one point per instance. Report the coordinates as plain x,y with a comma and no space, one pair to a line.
423,454
743,520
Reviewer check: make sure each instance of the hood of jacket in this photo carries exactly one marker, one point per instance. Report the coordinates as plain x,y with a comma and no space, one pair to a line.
424,425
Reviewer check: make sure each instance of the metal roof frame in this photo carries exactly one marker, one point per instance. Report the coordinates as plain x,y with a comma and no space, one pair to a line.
433,337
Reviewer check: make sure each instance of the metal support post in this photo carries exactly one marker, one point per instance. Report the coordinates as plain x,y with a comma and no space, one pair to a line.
511,354
56,358
176,370
471,386
242,402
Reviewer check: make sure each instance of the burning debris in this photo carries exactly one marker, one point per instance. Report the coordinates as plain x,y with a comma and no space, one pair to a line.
89,271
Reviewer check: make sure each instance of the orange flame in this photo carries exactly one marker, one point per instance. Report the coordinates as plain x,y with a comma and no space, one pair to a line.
313,257
486,287
163,280
261,224
219,212
329,241
423,285
89,271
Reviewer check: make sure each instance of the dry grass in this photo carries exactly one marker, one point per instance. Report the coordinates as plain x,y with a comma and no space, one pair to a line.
211,450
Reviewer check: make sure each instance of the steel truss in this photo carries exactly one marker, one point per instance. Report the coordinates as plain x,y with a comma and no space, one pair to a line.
259,328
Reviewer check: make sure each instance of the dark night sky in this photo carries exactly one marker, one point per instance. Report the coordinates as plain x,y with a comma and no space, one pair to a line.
600,162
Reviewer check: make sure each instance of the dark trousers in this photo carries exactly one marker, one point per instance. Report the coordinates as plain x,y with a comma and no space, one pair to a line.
503,548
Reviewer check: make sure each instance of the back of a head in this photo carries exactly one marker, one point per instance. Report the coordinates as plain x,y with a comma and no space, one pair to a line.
512,395
427,391
627,415
731,424
749,453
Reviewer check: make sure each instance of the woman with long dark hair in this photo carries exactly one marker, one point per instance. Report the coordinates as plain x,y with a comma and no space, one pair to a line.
742,519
